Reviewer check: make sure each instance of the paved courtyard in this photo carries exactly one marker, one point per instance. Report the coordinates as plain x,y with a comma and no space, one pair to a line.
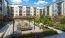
9,30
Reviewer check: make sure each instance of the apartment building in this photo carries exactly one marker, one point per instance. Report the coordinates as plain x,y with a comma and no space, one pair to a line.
3,7
19,10
55,9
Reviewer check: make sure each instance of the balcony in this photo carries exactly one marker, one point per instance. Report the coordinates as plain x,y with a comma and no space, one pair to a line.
0,0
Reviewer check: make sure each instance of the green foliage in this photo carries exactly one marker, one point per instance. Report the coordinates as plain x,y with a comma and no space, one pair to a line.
50,32
60,27
37,20
47,31
57,22
45,19
62,21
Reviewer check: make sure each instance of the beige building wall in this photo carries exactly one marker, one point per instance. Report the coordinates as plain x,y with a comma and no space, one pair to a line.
62,8
31,11
24,11
16,11
38,11
42,10
50,10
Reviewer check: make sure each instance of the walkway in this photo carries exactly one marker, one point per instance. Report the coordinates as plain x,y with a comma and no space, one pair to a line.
61,34
3,30
59,31
10,30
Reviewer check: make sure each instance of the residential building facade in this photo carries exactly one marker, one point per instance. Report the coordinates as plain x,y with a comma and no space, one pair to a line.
3,7
55,9
19,10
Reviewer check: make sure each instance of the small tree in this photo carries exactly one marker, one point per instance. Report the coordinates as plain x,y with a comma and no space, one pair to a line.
37,19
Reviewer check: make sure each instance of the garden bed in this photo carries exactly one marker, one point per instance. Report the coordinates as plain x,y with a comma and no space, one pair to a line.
60,27
36,35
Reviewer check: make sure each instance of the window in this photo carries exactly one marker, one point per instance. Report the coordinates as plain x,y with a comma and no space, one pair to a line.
16,11
0,11
37,15
37,12
31,12
37,9
31,8
24,15
16,15
28,8
24,11
31,15
23,8
0,4
20,10
12,10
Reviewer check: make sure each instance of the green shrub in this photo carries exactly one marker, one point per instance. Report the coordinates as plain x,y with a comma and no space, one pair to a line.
50,32
62,21
60,27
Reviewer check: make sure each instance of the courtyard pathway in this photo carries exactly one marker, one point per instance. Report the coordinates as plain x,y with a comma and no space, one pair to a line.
3,30
10,30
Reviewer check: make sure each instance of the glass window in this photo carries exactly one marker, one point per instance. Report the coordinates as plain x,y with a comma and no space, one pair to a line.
37,9
31,9
37,15
0,11
16,11
24,15
37,12
31,12
0,1
24,11
20,10
16,14
28,8
0,4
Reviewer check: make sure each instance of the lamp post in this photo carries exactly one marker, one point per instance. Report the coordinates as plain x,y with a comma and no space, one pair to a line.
13,25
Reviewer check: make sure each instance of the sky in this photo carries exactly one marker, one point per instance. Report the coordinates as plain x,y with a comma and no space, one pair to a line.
31,2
